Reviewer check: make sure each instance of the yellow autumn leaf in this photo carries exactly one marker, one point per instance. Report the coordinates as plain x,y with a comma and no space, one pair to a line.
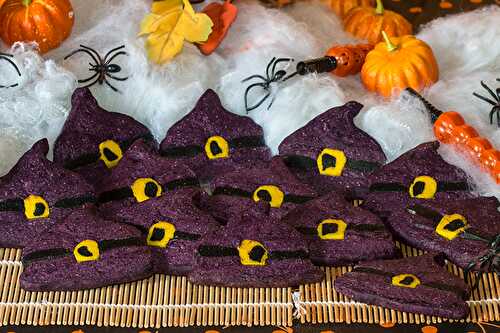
164,13
170,23
196,26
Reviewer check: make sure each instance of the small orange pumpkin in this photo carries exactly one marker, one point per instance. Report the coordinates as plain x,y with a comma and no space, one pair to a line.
47,22
341,7
399,63
368,23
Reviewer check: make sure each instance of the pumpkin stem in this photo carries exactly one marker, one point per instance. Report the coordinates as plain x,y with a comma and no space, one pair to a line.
380,8
26,3
390,46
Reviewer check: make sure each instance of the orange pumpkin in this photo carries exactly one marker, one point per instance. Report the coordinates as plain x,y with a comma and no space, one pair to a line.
399,63
341,7
47,22
368,23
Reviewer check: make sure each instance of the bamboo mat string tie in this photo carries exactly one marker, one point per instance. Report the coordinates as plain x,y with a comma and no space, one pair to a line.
299,310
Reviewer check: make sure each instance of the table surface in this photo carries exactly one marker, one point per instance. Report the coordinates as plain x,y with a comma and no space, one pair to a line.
322,328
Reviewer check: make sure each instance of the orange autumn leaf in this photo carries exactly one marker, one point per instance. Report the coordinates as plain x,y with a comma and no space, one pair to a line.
222,15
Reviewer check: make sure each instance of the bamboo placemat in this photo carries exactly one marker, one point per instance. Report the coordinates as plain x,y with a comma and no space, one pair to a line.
162,301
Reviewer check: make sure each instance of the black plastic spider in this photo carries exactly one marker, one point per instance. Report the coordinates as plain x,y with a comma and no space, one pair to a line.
495,102
317,65
103,68
271,76
7,57
491,260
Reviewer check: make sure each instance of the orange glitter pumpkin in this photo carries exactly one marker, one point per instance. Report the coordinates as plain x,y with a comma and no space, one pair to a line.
47,22
399,63
341,7
368,23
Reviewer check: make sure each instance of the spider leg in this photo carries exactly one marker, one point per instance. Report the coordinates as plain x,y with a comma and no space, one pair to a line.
488,89
250,87
269,67
487,100
113,50
91,84
117,77
114,56
272,101
254,77
111,86
93,51
280,60
88,79
84,51
6,57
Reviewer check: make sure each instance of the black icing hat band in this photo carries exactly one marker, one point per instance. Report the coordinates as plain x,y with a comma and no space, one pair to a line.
422,187
109,151
146,188
335,229
161,233
409,280
35,206
215,147
269,193
330,163
87,250
251,253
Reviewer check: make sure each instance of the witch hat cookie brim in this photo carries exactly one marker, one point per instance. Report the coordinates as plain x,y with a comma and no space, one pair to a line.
213,141
93,140
414,284
331,153
37,193
257,251
339,233
83,252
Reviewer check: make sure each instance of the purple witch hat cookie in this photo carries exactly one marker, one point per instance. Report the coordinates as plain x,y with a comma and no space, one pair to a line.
420,173
85,252
36,194
142,175
93,140
331,153
174,227
467,231
339,233
258,251
213,141
243,190
414,284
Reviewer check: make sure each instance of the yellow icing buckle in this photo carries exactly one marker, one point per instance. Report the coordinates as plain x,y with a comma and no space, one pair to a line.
216,147
145,189
269,193
160,234
405,281
423,187
451,226
252,253
332,229
35,207
110,153
331,162
87,250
